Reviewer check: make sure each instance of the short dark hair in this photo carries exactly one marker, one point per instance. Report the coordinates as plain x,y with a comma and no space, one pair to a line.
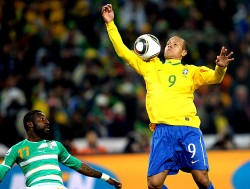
29,117
185,44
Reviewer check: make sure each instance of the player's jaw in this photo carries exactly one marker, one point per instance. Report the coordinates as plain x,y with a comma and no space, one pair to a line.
42,131
172,53
47,129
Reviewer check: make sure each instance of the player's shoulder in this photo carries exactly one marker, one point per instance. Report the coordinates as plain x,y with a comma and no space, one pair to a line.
190,66
155,62
53,142
14,149
19,144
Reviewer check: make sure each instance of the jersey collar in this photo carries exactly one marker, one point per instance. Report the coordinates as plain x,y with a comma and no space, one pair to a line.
173,61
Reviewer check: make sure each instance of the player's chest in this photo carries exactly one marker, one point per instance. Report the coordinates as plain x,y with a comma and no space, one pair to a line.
173,76
30,151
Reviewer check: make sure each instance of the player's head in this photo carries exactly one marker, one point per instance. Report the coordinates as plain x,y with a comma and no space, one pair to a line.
36,121
176,48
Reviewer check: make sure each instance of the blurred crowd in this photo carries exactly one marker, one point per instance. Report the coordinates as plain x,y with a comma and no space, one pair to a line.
55,56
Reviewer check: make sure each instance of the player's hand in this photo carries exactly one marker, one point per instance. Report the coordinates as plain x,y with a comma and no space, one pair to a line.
108,13
114,182
224,58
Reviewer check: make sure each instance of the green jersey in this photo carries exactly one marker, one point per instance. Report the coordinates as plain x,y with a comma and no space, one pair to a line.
39,161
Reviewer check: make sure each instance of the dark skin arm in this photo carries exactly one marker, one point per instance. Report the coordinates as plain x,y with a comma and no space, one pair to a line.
88,171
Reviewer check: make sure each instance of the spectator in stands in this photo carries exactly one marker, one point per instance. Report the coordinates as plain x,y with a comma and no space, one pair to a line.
239,113
137,143
92,145
225,141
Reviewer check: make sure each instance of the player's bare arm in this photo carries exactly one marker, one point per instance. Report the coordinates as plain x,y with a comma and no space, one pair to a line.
88,171
224,58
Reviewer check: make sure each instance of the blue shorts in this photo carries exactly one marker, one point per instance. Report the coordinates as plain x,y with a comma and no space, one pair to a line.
177,148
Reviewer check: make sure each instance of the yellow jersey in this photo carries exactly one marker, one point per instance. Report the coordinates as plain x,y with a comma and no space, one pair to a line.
170,85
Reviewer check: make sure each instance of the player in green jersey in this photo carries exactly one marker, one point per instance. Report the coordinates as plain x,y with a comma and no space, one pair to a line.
39,158
177,141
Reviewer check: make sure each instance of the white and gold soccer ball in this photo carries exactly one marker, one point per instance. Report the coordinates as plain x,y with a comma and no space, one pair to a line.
147,46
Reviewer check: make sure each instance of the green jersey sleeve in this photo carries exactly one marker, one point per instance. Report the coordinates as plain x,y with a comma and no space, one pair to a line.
67,159
8,162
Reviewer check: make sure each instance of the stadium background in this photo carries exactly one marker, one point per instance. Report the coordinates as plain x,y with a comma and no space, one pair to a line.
229,170
56,56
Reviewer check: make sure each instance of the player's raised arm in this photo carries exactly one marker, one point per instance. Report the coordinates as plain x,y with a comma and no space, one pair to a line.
88,171
108,13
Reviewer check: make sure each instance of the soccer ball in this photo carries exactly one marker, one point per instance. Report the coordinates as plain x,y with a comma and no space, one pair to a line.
147,46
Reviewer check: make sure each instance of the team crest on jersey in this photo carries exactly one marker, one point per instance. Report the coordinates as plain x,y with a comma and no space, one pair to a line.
47,144
185,72
50,145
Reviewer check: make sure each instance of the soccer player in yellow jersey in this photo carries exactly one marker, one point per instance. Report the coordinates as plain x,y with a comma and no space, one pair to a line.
177,141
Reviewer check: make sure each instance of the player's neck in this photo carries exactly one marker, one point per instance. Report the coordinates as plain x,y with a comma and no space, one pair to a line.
34,138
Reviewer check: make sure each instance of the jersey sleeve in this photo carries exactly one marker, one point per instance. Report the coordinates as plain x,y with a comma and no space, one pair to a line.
67,159
8,162
122,50
204,75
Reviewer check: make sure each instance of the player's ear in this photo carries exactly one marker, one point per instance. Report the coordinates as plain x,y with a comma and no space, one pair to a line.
184,53
30,124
